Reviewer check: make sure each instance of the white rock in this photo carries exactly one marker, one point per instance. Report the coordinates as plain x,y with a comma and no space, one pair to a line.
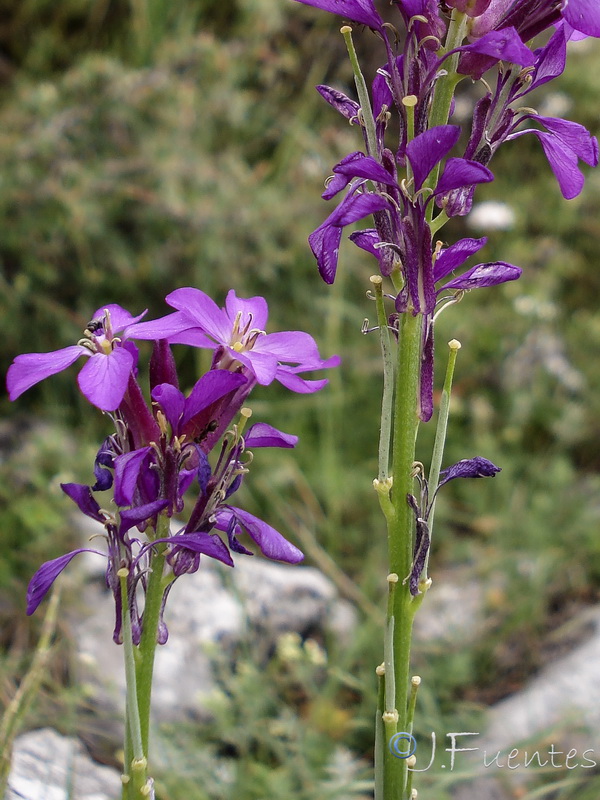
48,766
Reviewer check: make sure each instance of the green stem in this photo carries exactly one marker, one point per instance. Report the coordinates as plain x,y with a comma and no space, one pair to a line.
363,94
440,434
388,380
134,752
446,84
401,537
380,738
444,89
147,647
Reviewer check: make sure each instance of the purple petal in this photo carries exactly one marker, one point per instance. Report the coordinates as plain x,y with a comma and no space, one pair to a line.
288,376
296,347
362,11
103,380
31,368
477,467
426,379
43,579
429,148
271,543
162,328
563,162
120,318
381,93
85,500
357,165
503,45
262,365
297,384
171,402
483,275
203,312
584,16
422,542
325,240
367,240
263,435
206,543
127,471
574,136
253,311
325,244
550,60
455,256
133,516
459,172
348,108
211,387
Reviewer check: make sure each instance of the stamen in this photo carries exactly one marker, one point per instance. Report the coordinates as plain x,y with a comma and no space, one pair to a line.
364,328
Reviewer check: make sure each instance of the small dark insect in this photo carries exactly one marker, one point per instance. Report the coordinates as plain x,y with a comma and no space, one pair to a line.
211,427
95,325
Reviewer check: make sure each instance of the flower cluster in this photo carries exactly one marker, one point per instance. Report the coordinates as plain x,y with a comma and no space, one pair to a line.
413,185
159,450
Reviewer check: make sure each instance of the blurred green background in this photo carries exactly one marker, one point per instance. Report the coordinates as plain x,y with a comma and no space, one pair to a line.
147,145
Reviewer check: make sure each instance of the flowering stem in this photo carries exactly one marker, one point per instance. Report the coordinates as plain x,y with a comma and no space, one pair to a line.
400,539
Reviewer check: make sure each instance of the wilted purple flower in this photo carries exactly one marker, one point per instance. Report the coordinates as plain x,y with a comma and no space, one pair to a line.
103,379
238,338
477,467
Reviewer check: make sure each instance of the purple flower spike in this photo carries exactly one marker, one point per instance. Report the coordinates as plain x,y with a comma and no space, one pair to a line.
477,467
103,379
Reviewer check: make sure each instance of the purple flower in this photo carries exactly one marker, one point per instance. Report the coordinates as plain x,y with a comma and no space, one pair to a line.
238,337
564,143
477,467
271,543
103,379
